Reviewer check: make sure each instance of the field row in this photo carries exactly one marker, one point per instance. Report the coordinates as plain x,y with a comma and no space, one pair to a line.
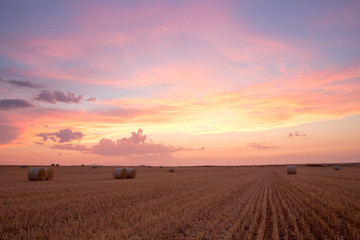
192,203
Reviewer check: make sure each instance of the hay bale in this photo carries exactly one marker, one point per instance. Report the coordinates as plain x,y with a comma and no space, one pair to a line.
291,169
37,174
336,167
57,165
49,174
120,173
171,169
52,165
131,172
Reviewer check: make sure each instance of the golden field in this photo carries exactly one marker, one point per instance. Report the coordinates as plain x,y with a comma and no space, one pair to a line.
192,203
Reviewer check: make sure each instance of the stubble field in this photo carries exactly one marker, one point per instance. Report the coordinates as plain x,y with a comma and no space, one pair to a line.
192,203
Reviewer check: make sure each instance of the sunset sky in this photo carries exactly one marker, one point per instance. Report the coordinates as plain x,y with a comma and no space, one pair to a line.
179,82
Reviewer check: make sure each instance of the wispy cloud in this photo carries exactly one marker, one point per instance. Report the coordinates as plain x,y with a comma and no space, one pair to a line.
296,134
20,83
11,104
69,146
7,133
260,145
91,99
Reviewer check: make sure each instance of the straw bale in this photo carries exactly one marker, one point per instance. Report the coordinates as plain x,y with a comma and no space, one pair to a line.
37,174
131,172
49,173
120,173
291,169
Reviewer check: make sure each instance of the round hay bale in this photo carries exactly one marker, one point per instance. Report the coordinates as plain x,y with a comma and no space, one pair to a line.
291,169
120,173
37,174
49,174
172,169
336,167
131,172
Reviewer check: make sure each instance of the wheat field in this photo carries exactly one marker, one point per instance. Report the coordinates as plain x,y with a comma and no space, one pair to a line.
192,203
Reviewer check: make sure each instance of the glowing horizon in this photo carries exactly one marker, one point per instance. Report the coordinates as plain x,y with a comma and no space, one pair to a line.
212,83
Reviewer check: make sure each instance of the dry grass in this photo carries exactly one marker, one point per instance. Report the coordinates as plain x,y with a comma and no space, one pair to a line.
195,203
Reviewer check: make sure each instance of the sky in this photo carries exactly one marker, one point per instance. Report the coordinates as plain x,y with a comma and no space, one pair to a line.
179,82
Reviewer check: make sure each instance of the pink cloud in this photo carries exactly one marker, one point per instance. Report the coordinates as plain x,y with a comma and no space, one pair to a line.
345,17
209,62
219,45
134,145
260,106
8,133
69,146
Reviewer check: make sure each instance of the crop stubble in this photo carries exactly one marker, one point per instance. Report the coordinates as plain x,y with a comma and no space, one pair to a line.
193,203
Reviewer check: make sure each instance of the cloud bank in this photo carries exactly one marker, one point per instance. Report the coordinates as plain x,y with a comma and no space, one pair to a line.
10,104
134,145
63,136
57,96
